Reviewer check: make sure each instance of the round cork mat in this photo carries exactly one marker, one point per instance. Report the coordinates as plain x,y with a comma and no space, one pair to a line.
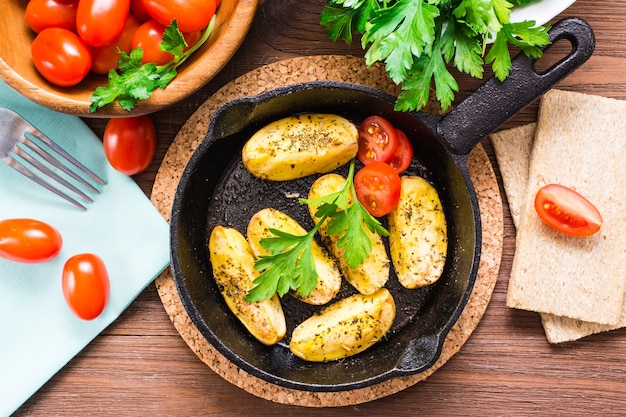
339,68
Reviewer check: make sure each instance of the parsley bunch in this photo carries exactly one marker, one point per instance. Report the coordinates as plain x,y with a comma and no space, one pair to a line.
290,263
417,39
136,81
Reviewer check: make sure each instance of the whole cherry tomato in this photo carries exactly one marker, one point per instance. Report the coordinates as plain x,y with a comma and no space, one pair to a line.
377,187
43,14
567,211
191,15
61,57
377,140
148,37
100,22
85,283
105,58
28,240
139,9
129,143
401,159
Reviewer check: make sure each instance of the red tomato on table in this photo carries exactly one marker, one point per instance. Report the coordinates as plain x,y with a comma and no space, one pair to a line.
567,211
28,240
191,15
129,143
61,57
377,140
100,22
43,14
377,186
86,285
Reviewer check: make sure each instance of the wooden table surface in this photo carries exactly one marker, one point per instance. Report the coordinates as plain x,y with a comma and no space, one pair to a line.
140,366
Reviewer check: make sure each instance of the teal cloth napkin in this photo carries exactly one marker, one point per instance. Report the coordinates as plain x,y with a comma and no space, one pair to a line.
38,333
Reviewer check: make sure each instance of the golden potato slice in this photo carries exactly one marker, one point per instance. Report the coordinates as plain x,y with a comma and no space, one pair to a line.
329,278
344,328
233,268
418,237
373,273
299,146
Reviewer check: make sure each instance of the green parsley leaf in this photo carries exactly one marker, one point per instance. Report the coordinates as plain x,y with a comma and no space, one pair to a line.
135,81
418,39
290,266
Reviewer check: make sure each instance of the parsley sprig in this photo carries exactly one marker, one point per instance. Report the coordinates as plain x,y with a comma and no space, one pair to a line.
136,81
418,39
290,263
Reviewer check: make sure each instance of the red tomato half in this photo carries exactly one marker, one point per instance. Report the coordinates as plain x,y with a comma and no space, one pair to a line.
105,58
401,159
100,22
377,140
567,211
191,15
61,57
377,187
129,143
86,286
43,14
28,240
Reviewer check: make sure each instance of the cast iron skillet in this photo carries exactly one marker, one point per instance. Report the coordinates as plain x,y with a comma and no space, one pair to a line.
216,189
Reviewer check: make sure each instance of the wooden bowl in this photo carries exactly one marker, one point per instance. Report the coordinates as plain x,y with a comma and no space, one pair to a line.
234,18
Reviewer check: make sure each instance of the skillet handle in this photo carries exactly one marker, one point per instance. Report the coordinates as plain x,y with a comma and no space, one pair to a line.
495,102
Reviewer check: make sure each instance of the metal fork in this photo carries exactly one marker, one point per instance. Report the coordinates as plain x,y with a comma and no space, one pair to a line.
15,141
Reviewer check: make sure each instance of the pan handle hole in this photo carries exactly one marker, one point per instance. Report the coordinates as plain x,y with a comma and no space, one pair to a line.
552,55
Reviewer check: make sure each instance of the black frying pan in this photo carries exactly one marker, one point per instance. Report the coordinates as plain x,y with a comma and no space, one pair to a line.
216,189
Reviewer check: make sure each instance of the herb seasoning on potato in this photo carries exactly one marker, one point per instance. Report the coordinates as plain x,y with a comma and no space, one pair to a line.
300,145
418,236
233,269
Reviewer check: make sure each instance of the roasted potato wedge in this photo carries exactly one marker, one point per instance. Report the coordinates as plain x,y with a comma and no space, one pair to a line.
373,273
233,268
418,237
328,276
300,145
344,328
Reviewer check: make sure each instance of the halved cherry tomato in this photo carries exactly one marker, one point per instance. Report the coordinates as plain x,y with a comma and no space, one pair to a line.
43,14
401,159
567,211
129,143
105,58
377,140
61,57
85,283
28,240
100,22
191,15
377,187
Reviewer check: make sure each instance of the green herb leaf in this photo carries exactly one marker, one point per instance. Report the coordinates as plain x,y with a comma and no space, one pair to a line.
417,39
135,81
290,264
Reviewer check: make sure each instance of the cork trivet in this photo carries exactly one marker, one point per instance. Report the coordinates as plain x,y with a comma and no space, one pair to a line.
339,68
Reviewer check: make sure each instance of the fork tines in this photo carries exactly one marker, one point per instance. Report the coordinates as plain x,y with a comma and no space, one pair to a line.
27,157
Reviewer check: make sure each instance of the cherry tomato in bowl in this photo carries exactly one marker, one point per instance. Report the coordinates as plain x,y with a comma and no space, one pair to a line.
377,140
86,285
191,15
129,143
43,14
377,187
567,211
29,240
61,56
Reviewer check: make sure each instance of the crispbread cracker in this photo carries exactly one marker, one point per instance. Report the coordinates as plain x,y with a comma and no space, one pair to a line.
580,143
513,148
